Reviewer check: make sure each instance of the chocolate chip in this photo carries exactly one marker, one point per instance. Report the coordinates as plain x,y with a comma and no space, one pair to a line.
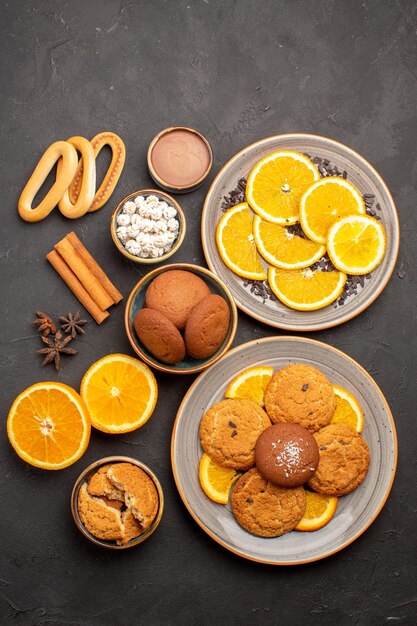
323,448
304,387
232,424
342,443
250,500
234,433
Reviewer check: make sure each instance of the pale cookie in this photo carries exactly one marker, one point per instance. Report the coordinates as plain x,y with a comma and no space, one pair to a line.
99,485
302,394
102,521
264,509
343,463
131,527
140,494
229,431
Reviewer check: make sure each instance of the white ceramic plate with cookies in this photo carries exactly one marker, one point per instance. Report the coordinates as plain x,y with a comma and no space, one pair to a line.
359,172
355,511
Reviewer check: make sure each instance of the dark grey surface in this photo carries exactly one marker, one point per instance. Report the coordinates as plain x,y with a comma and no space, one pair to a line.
237,71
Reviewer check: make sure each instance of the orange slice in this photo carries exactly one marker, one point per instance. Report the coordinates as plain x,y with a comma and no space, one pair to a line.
48,426
236,244
319,511
348,410
284,249
251,384
215,480
356,244
325,202
120,393
306,290
276,184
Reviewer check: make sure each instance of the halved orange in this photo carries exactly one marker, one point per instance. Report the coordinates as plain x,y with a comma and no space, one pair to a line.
319,511
356,244
306,289
236,244
276,184
327,201
348,410
284,249
48,426
216,480
120,393
251,384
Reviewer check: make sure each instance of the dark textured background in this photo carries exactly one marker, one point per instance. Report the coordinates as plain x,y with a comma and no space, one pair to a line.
237,71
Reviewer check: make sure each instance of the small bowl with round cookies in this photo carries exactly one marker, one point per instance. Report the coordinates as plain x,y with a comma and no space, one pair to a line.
180,318
148,226
117,502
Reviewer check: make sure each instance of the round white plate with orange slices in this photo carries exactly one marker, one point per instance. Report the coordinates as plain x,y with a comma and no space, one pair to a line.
205,489
255,248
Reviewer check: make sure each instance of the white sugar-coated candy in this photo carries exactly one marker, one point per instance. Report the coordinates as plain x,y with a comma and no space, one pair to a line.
160,240
156,252
173,224
169,212
144,210
152,198
161,226
123,219
129,207
171,237
155,212
144,239
122,233
139,200
133,231
146,225
136,220
133,247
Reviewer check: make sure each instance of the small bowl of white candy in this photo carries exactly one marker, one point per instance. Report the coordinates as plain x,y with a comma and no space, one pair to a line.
148,226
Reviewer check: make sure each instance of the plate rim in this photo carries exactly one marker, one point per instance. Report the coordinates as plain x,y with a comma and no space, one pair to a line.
381,285
213,535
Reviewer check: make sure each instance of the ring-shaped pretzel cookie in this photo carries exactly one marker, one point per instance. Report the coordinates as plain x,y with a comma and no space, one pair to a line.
112,175
88,182
58,150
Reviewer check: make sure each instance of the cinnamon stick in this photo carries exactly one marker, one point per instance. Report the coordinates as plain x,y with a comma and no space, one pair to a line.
94,268
76,287
84,275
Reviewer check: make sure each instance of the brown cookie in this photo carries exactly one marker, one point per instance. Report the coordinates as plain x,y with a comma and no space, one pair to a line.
159,335
174,293
140,494
207,326
302,394
131,527
344,460
102,521
264,509
229,431
286,454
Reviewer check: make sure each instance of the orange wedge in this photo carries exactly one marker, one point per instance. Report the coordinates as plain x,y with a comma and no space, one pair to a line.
325,202
306,290
120,393
348,410
284,249
215,480
251,384
48,426
236,244
319,511
356,244
276,184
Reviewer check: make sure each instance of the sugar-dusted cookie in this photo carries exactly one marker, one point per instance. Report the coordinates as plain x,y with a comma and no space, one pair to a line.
344,460
286,454
264,509
302,394
229,431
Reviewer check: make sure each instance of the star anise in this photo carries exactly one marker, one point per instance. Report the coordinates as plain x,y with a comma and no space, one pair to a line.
56,347
45,324
72,324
